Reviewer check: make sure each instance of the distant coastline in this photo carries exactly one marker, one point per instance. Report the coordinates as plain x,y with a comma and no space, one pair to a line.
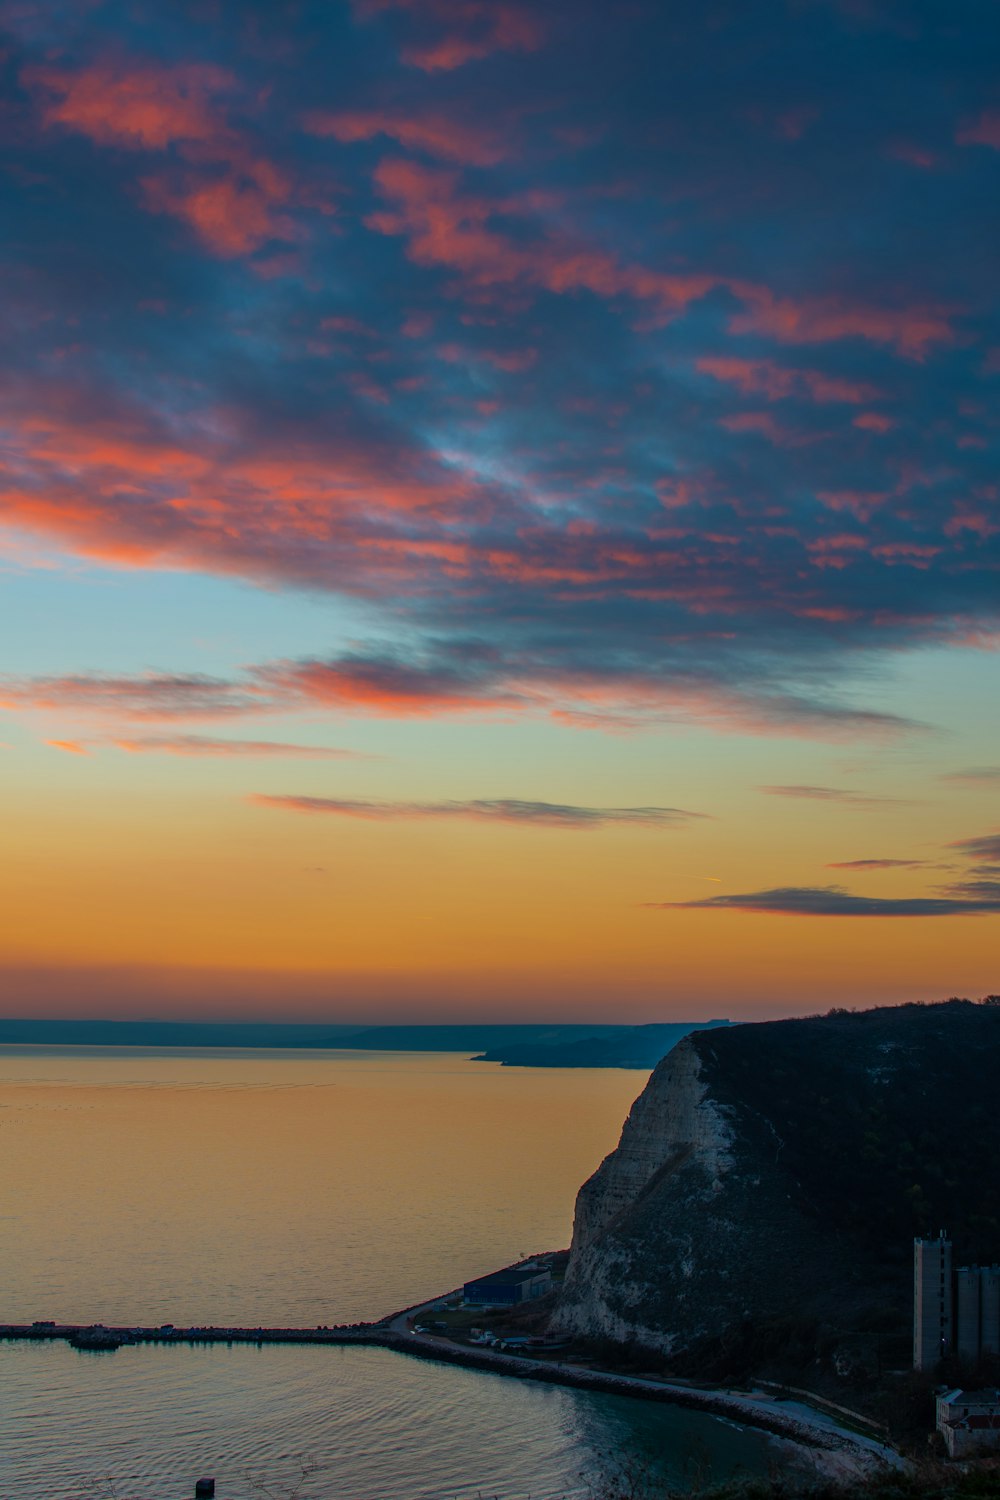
552,1045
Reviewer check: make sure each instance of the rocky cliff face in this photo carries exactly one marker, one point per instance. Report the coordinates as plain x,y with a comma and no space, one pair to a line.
779,1171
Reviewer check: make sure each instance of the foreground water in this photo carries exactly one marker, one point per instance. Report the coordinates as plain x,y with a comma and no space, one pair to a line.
277,1188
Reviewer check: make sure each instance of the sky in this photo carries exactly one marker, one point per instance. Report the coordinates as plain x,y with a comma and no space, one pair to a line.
499,513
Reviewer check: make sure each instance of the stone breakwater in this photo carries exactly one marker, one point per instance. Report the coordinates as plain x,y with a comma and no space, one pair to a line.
847,1451
118,1335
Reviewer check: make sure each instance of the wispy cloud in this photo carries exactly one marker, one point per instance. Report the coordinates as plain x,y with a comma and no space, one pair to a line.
876,864
984,846
462,676
487,810
985,888
833,901
149,695
434,132
827,794
450,33
780,382
974,776
201,744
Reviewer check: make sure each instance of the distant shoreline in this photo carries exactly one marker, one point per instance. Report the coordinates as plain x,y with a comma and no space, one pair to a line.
537,1044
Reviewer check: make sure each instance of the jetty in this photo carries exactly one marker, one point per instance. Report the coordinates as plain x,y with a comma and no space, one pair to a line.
107,1336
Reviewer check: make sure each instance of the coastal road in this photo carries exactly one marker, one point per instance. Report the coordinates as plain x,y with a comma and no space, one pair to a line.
403,1322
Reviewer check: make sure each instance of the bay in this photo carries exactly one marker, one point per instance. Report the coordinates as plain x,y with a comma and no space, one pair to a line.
252,1187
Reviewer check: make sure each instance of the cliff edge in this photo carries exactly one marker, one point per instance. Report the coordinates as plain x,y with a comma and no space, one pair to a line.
770,1178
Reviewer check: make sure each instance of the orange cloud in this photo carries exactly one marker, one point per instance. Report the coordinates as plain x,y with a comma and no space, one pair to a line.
385,687
230,496
71,747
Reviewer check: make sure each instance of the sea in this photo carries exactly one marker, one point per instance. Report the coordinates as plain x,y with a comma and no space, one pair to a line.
252,1187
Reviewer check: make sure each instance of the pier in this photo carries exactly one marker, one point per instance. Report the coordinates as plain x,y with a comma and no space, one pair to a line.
106,1336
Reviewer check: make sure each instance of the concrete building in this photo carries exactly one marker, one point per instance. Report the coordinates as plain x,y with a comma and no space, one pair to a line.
954,1312
990,1309
933,1301
969,1422
507,1288
967,1312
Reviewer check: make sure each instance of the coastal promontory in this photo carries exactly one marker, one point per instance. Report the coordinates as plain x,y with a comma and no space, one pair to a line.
770,1179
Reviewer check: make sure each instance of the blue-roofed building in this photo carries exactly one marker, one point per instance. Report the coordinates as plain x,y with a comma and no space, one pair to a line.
507,1288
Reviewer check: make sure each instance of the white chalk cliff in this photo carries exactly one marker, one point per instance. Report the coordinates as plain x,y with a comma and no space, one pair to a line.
688,1228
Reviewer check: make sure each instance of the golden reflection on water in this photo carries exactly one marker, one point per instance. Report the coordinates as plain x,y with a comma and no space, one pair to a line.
254,1187
272,1187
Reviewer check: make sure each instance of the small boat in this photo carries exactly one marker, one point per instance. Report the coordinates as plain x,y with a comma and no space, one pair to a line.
95,1338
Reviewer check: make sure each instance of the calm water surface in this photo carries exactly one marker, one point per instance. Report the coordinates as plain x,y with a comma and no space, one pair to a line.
255,1187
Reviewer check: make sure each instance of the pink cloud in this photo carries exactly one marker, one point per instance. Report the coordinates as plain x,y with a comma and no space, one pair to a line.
226,496
448,228
139,106
231,196
874,421
765,425
913,154
438,134
233,212
470,30
445,226
779,382
983,131
817,320
793,123
511,361
860,503
387,688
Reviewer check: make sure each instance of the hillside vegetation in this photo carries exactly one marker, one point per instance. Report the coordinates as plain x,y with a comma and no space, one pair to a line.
887,1119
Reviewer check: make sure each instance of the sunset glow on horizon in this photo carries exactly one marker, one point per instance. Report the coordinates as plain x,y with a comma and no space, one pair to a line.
498,510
